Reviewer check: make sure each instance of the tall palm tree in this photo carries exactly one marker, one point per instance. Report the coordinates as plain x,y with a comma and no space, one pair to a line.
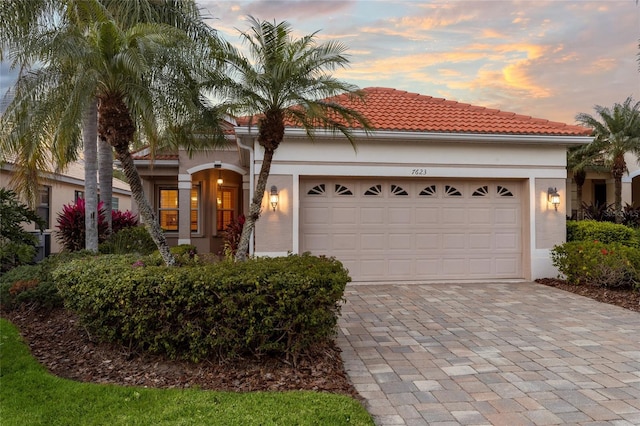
616,131
285,80
143,78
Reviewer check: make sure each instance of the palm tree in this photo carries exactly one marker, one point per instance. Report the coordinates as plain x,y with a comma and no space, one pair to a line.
285,81
142,77
581,159
616,131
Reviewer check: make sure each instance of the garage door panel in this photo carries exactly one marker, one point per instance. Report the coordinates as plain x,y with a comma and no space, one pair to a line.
344,215
507,241
372,215
427,215
370,242
508,265
481,267
480,216
316,215
412,230
480,240
345,241
454,267
400,268
401,242
454,216
316,242
428,241
454,241
400,216
507,216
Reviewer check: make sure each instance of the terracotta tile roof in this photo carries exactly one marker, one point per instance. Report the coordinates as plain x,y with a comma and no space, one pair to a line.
397,110
145,154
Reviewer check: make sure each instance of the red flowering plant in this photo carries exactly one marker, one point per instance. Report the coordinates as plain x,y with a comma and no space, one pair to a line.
599,264
71,224
231,236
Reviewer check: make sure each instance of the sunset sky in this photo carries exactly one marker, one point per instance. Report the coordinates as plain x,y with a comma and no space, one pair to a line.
547,59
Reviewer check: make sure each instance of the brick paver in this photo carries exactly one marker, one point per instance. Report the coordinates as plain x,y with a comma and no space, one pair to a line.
490,354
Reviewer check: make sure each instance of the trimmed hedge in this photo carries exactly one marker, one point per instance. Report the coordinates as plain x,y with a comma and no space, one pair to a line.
265,305
605,232
599,264
33,285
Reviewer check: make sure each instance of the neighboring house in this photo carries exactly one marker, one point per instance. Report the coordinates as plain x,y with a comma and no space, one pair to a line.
439,191
63,188
600,187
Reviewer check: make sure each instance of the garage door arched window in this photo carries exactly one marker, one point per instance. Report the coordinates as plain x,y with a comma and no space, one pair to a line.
450,191
429,191
397,190
342,190
317,190
375,190
503,192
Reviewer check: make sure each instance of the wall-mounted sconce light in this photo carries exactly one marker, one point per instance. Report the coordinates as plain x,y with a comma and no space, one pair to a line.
553,197
220,181
274,198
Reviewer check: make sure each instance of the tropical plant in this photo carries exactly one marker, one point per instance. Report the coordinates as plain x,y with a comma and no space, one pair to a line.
143,76
287,80
580,160
71,225
17,246
616,132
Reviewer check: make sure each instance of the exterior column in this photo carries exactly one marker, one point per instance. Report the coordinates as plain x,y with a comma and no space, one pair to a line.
184,206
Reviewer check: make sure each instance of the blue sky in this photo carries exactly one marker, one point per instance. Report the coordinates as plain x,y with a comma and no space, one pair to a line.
547,59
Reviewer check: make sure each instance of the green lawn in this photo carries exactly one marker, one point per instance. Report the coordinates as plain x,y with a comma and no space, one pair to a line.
29,395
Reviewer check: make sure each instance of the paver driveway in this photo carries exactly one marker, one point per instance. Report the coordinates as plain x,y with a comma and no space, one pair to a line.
490,354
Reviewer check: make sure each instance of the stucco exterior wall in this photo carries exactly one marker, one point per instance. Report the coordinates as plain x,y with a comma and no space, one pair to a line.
539,165
274,229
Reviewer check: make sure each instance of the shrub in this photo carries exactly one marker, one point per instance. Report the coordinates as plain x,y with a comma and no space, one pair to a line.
135,239
33,285
262,306
17,246
122,220
185,255
231,237
601,212
71,224
605,232
599,264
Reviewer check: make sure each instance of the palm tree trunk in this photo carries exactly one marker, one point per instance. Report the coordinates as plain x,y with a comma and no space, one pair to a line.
254,208
618,169
146,212
89,140
105,171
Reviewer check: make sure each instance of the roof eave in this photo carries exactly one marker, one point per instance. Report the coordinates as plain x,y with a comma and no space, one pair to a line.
552,139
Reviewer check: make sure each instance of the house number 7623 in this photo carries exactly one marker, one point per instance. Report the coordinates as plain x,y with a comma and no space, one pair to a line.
418,172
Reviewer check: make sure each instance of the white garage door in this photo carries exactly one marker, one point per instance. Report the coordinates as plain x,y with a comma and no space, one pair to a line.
395,229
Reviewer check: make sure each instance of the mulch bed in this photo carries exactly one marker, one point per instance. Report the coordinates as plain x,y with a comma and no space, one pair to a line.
65,348
627,299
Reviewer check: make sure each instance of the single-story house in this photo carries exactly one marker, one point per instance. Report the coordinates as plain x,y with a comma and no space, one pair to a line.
62,188
438,191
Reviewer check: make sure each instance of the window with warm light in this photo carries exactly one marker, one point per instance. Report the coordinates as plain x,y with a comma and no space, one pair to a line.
169,205
195,208
168,209
225,207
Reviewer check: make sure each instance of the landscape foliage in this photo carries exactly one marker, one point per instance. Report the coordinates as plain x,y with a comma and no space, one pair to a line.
278,306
